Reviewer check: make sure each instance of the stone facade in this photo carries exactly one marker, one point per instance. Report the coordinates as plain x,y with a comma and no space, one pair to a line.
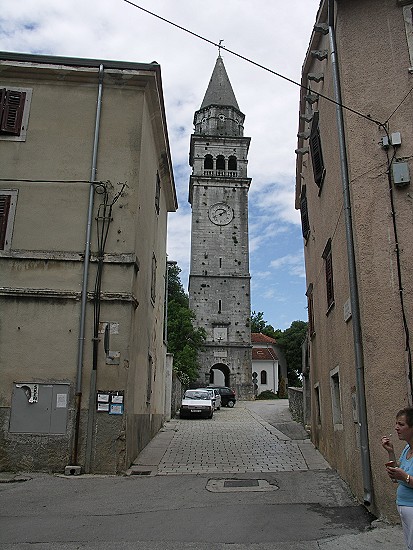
83,354
354,192
219,281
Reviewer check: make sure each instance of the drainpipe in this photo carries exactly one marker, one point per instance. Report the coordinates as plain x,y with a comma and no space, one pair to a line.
81,342
354,296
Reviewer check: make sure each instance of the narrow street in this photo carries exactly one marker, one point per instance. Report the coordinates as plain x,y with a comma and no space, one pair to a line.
249,479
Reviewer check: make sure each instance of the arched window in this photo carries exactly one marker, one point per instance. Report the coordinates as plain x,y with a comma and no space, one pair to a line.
208,162
263,377
220,162
232,163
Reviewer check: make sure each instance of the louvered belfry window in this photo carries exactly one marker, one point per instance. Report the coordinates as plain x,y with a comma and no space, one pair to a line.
4,216
328,262
316,151
11,111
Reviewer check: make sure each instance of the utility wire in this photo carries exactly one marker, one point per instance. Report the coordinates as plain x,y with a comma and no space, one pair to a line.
221,47
400,104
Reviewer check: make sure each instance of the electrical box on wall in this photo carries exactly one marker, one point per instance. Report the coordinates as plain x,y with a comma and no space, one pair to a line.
39,408
400,173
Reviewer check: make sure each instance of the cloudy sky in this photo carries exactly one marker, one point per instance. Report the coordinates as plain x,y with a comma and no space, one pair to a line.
272,33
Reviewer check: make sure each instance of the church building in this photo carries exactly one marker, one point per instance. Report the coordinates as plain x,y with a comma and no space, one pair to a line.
219,279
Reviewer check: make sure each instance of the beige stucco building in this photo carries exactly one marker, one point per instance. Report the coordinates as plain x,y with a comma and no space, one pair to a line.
85,188
353,187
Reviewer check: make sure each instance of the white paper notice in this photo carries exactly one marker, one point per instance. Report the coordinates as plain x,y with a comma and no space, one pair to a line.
61,401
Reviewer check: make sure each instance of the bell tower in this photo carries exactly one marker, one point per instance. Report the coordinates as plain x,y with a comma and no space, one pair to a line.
219,279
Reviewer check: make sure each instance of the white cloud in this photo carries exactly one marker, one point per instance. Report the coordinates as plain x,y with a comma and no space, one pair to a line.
268,33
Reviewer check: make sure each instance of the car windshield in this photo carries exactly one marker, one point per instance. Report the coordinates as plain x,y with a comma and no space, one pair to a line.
191,394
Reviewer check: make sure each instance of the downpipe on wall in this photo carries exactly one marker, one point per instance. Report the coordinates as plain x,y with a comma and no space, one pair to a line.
354,296
86,264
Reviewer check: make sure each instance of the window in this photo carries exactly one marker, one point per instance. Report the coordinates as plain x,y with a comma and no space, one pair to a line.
14,113
8,200
408,23
305,224
316,152
335,396
328,265
220,162
153,279
149,380
310,305
157,192
208,162
263,377
317,403
232,163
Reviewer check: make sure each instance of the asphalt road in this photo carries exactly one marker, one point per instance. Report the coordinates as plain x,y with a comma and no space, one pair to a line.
252,502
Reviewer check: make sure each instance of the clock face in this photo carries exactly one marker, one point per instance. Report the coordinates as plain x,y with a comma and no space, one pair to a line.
221,213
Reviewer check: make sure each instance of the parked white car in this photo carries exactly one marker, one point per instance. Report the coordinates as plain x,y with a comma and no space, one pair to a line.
215,396
196,403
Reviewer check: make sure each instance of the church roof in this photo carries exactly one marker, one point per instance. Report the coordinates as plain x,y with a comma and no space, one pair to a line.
219,91
260,338
264,354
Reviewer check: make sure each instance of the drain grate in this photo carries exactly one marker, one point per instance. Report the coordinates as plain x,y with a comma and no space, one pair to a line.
241,483
141,472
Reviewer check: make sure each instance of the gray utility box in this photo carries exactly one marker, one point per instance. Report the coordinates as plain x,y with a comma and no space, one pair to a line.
39,408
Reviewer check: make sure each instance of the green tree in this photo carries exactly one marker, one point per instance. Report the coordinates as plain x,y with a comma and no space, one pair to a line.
258,324
290,341
184,340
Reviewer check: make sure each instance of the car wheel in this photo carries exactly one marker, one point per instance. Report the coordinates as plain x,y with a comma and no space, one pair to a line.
211,415
231,404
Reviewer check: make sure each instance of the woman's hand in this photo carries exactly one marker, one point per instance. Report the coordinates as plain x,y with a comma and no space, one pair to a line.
387,444
396,474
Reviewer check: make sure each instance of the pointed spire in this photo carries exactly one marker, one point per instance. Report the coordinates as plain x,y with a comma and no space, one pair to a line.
219,90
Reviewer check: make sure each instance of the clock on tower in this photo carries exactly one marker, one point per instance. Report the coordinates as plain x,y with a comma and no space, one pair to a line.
219,279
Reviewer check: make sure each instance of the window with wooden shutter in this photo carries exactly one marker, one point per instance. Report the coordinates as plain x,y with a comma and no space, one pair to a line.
328,264
305,224
316,151
310,304
4,216
12,108
157,193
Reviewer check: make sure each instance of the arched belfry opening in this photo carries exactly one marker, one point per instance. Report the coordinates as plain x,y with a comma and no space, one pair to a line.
219,278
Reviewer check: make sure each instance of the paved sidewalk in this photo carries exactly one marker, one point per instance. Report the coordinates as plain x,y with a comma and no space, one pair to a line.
235,440
240,441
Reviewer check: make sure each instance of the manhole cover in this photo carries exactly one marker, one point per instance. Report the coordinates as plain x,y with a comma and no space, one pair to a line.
233,485
241,483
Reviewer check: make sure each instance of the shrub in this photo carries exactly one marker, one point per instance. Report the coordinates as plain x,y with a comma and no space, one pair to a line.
267,394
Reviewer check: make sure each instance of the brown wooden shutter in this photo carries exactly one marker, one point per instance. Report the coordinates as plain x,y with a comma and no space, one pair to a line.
12,112
4,215
305,223
316,151
329,279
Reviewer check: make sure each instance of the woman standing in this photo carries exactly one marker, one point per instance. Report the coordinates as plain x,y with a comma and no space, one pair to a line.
403,474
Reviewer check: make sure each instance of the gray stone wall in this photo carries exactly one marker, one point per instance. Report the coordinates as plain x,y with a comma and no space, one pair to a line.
295,398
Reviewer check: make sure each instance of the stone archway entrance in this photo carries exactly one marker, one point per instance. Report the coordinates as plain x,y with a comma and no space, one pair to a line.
219,375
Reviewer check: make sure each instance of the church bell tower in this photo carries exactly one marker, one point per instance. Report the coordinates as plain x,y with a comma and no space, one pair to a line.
219,279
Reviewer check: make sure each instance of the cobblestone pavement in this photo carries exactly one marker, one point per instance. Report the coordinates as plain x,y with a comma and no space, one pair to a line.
233,441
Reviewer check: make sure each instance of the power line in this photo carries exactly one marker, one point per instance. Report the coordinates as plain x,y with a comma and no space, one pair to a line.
221,47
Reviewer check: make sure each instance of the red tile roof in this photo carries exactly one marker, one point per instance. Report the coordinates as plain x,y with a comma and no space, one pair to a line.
260,338
264,354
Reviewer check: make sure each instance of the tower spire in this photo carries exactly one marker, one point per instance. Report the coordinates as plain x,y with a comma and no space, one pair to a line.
219,91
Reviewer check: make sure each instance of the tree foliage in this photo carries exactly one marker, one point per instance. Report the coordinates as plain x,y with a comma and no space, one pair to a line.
258,324
289,340
184,340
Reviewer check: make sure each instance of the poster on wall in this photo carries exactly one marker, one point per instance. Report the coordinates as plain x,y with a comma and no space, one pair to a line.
110,401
